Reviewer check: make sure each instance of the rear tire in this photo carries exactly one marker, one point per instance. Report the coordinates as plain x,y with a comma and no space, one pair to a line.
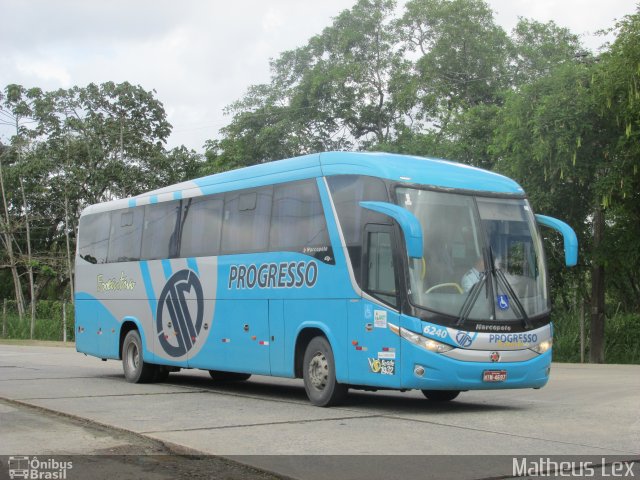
136,370
220,376
440,395
319,373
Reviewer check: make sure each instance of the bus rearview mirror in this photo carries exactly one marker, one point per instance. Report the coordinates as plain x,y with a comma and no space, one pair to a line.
410,225
570,239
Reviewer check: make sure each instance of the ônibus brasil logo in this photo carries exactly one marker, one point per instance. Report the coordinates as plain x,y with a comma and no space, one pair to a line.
182,300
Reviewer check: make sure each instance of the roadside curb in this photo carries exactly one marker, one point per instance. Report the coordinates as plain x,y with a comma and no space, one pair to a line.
169,448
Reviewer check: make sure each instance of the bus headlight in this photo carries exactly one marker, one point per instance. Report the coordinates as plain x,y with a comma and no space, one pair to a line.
542,346
424,342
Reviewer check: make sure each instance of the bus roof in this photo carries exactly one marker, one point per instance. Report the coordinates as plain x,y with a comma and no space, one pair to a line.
402,168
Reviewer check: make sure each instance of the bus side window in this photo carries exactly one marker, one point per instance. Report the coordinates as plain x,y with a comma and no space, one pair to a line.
247,216
125,235
159,225
94,238
201,226
380,273
297,219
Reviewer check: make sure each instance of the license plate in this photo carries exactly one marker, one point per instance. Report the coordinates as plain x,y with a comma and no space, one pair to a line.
494,375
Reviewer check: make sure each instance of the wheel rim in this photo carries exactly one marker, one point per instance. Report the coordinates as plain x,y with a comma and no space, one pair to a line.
319,371
133,356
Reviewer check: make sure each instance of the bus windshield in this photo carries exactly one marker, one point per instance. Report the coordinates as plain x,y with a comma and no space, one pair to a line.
482,258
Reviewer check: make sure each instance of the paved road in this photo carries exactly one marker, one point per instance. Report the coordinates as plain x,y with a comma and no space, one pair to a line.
268,423
102,453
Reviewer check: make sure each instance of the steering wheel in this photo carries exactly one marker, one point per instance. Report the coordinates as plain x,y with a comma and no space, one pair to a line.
445,285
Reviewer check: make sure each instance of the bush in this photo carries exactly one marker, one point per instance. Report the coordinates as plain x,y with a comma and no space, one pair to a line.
566,337
49,321
622,338
622,334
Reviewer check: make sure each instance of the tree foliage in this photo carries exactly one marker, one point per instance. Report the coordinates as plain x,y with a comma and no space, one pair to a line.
72,148
342,90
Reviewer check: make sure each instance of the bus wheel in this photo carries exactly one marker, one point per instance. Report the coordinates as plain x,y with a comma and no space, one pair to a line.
441,395
219,376
319,373
136,370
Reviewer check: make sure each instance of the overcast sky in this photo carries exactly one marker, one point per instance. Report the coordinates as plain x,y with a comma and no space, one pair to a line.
201,55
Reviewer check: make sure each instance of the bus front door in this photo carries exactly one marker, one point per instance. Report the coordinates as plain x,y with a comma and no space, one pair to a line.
375,349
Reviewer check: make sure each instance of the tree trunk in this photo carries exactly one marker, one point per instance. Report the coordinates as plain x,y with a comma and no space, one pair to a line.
596,354
8,240
29,261
70,264
66,234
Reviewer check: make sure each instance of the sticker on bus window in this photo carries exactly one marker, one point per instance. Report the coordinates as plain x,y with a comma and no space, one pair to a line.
503,302
380,318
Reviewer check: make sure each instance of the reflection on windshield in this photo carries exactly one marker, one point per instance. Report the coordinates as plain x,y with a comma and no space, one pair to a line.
482,257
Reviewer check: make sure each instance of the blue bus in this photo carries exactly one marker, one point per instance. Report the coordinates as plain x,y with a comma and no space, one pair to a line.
348,270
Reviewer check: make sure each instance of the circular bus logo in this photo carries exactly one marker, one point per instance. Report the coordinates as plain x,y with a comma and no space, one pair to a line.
464,339
182,300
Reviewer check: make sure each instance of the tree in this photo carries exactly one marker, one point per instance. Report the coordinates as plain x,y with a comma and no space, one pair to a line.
617,90
18,110
341,90
178,165
72,148
466,66
552,137
463,55
539,48
8,234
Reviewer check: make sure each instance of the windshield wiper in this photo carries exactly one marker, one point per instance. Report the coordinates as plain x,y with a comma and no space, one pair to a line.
474,293
470,301
512,294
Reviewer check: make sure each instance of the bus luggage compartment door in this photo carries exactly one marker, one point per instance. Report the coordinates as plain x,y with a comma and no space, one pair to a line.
241,329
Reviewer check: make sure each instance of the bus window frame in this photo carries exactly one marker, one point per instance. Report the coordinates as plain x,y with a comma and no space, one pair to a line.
396,248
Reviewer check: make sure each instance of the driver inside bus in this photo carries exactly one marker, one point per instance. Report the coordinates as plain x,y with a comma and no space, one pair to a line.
474,275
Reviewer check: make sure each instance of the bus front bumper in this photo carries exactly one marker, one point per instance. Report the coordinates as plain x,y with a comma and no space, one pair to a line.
432,371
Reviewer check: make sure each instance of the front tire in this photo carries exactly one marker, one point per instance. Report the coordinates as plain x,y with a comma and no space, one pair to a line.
136,370
319,373
440,395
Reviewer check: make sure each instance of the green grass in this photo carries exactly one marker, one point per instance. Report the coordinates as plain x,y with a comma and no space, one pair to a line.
48,326
622,338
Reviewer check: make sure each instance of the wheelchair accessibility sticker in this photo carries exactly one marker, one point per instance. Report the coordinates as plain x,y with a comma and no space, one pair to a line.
503,302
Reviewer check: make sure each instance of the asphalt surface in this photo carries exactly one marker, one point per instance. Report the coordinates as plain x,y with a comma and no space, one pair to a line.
60,402
99,452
